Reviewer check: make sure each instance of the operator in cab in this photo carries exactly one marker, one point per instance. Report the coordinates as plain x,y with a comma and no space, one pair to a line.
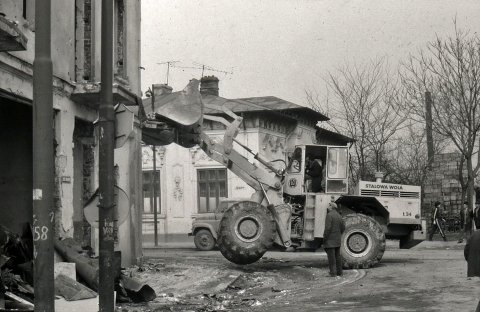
314,171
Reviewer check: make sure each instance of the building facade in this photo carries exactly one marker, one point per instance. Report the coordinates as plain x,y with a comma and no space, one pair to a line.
76,68
190,183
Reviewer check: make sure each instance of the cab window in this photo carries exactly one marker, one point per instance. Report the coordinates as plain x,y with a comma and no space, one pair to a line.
337,163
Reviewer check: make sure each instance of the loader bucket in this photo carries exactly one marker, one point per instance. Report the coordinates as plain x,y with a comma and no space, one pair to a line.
175,117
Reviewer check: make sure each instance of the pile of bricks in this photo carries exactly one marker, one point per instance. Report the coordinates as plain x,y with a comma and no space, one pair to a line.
442,185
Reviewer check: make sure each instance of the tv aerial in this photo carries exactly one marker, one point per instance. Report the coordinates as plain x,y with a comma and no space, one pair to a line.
203,68
169,64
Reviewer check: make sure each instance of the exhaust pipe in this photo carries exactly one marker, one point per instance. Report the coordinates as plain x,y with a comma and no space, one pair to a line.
379,176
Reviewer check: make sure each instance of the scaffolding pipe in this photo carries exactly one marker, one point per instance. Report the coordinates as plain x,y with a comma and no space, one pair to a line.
43,161
106,162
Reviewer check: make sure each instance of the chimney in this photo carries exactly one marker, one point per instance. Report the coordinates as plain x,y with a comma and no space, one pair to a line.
161,89
209,85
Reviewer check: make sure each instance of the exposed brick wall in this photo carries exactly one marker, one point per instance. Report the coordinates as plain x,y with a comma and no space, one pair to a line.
88,178
442,185
83,134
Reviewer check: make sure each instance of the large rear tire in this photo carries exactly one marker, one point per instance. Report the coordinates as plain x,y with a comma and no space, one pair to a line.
246,232
363,242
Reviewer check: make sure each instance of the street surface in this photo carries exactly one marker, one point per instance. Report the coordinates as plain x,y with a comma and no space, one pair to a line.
429,277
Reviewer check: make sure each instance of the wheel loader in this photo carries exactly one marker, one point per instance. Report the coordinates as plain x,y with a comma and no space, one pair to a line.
282,210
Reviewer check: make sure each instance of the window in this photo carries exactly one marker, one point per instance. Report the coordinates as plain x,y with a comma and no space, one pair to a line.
337,162
337,174
212,187
148,187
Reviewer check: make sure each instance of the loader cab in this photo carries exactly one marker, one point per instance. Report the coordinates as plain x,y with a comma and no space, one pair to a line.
333,161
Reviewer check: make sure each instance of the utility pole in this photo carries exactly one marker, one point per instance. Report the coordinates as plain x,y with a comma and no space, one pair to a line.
43,161
106,127
429,127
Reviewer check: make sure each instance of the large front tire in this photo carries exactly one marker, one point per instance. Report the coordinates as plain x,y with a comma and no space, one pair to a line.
246,232
363,242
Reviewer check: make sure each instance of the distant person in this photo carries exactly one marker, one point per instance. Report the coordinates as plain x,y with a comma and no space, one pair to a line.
463,213
332,239
437,222
472,255
314,169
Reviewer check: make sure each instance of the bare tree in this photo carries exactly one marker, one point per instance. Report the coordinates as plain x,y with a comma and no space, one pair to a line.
450,69
363,104
409,159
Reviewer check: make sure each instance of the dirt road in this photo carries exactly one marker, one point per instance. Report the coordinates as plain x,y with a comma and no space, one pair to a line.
428,278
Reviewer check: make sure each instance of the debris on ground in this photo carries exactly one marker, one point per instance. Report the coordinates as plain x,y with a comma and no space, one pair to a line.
16,273
129,289
72,290
16,269
136,290
244,281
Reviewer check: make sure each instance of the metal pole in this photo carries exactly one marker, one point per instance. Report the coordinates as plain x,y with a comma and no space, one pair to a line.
106,174
155,210
43,161
155,215
168,71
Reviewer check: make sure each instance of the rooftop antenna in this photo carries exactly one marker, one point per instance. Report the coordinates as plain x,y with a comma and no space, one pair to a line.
169,63
203,68
210,68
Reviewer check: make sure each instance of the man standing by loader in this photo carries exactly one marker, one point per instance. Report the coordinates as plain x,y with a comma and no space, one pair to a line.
332,239
437,222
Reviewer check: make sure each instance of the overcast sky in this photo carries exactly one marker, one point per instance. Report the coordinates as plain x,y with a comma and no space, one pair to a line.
282,47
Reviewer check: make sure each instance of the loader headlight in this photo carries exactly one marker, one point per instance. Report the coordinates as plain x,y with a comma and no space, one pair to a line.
417,216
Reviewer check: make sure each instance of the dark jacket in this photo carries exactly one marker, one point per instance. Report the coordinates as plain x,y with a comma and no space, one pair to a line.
334,227
472,254
315,170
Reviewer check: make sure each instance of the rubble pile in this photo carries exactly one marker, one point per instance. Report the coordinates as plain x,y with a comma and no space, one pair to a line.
128,289
16,273
16,267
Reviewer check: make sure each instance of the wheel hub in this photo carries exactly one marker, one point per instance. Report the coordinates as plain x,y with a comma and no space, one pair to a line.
248,229
357,243
204,240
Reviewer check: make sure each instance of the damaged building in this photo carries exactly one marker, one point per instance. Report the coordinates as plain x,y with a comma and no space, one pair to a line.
76,76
